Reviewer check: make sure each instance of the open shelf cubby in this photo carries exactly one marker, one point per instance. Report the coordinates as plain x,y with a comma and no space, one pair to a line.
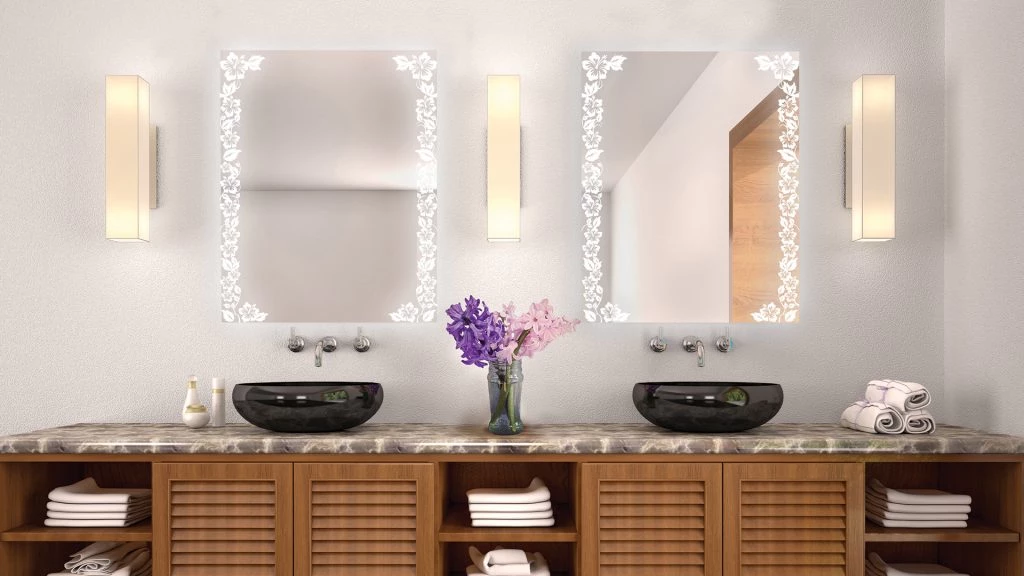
559,556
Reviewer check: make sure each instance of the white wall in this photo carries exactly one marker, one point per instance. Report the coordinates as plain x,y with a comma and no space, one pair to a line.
670,210
92,330
984,308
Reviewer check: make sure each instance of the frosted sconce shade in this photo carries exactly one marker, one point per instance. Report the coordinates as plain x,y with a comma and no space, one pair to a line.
131,187
503,176
872,158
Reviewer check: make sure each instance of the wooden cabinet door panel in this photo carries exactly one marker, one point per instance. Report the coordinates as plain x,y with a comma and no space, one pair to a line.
651,520
222,519
364,519
794,519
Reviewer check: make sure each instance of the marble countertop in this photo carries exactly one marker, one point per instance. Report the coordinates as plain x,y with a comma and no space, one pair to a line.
540,439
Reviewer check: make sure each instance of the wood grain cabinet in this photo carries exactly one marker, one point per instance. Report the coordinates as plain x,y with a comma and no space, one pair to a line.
794,519
218,519
364,519
651,519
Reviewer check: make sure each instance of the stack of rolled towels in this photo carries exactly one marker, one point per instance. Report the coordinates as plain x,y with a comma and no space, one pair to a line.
875,566
85,505
891,407
915,508
506,562
110,559
511,507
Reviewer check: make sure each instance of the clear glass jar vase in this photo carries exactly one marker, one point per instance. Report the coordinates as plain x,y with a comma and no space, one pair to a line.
505,387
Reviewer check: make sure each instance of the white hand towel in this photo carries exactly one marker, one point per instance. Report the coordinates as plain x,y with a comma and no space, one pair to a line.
878,566
510,515
532,507
90,551
538,522
873,417
65,523
879,501
903,396
88,492
131,517
501,562
103,560
916,496
916,523
134,565
535,492
919,422
63,507
887,515
538,567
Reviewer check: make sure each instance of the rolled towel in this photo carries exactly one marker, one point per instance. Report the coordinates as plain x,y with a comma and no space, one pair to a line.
873,417
887,515
875,565
88,492
501,562
916,523
101,563
903,396
916,496
535,492
530,507
535,523
63,507
919,422
880,502
510,515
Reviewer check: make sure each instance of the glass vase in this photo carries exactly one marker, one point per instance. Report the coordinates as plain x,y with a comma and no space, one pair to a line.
505,387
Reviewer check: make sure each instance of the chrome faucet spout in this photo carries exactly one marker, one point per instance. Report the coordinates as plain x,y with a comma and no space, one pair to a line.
694,344
328,344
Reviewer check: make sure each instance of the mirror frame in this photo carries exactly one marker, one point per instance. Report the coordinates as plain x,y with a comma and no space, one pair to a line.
422,68
783,66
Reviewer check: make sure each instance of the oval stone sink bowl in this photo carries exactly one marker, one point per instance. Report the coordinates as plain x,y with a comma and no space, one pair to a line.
308,406
707,406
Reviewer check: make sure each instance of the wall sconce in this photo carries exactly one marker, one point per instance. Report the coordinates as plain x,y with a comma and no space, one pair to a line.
871,158
503,148
131,159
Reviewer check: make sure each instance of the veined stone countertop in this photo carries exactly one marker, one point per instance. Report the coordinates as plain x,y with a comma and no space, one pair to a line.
539,439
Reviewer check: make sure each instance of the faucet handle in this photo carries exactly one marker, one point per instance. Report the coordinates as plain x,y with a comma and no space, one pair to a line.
724,344
329,343
361,343
690,343
296,343
657,344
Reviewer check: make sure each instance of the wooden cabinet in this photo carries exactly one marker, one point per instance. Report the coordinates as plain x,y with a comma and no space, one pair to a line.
794,519
651,519
364,519
216,519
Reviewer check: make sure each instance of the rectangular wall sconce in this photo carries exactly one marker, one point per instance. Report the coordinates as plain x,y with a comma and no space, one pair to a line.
871,158
503,148
131,159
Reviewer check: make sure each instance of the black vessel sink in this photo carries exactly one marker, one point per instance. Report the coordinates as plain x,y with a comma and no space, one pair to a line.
707,406
308,406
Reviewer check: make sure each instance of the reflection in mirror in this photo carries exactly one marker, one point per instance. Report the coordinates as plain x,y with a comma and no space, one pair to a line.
690,166
328,187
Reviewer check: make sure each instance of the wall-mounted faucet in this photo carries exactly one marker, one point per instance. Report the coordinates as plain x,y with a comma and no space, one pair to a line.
693,344
326,344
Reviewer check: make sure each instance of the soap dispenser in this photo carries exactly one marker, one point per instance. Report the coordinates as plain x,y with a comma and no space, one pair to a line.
192,395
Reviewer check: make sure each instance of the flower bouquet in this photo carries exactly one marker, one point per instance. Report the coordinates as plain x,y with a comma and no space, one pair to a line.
499,341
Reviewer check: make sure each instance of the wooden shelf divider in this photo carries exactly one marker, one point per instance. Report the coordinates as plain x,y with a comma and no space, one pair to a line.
457,527
142,532
976,531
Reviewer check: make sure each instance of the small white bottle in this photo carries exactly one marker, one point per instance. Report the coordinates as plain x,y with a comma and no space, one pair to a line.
217,403
192,396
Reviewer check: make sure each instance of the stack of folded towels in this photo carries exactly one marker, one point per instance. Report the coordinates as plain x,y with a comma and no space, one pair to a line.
110,559
891,407
512,507
875,566
502,562
86,505
916,508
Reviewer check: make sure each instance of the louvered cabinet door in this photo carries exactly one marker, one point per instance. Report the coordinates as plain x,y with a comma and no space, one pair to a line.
651,520
222,519
794,519
364,519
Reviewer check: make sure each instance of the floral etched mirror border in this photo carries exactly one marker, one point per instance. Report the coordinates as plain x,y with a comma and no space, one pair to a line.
422,69
597,68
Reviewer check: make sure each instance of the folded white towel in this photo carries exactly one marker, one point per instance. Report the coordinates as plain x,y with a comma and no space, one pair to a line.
65,523
887,515
510,515
100,562
916,496
537,522
90,551
501,562
544,506
919,422
538,566
876,565
88,492
873,417
903,396
134,565
535,492
129,517
63,507
879,501
916,523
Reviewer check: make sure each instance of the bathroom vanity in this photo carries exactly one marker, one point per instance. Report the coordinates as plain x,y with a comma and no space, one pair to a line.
629,499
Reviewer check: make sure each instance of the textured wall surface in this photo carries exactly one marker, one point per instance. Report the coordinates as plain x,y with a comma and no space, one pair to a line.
984,306
93,330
